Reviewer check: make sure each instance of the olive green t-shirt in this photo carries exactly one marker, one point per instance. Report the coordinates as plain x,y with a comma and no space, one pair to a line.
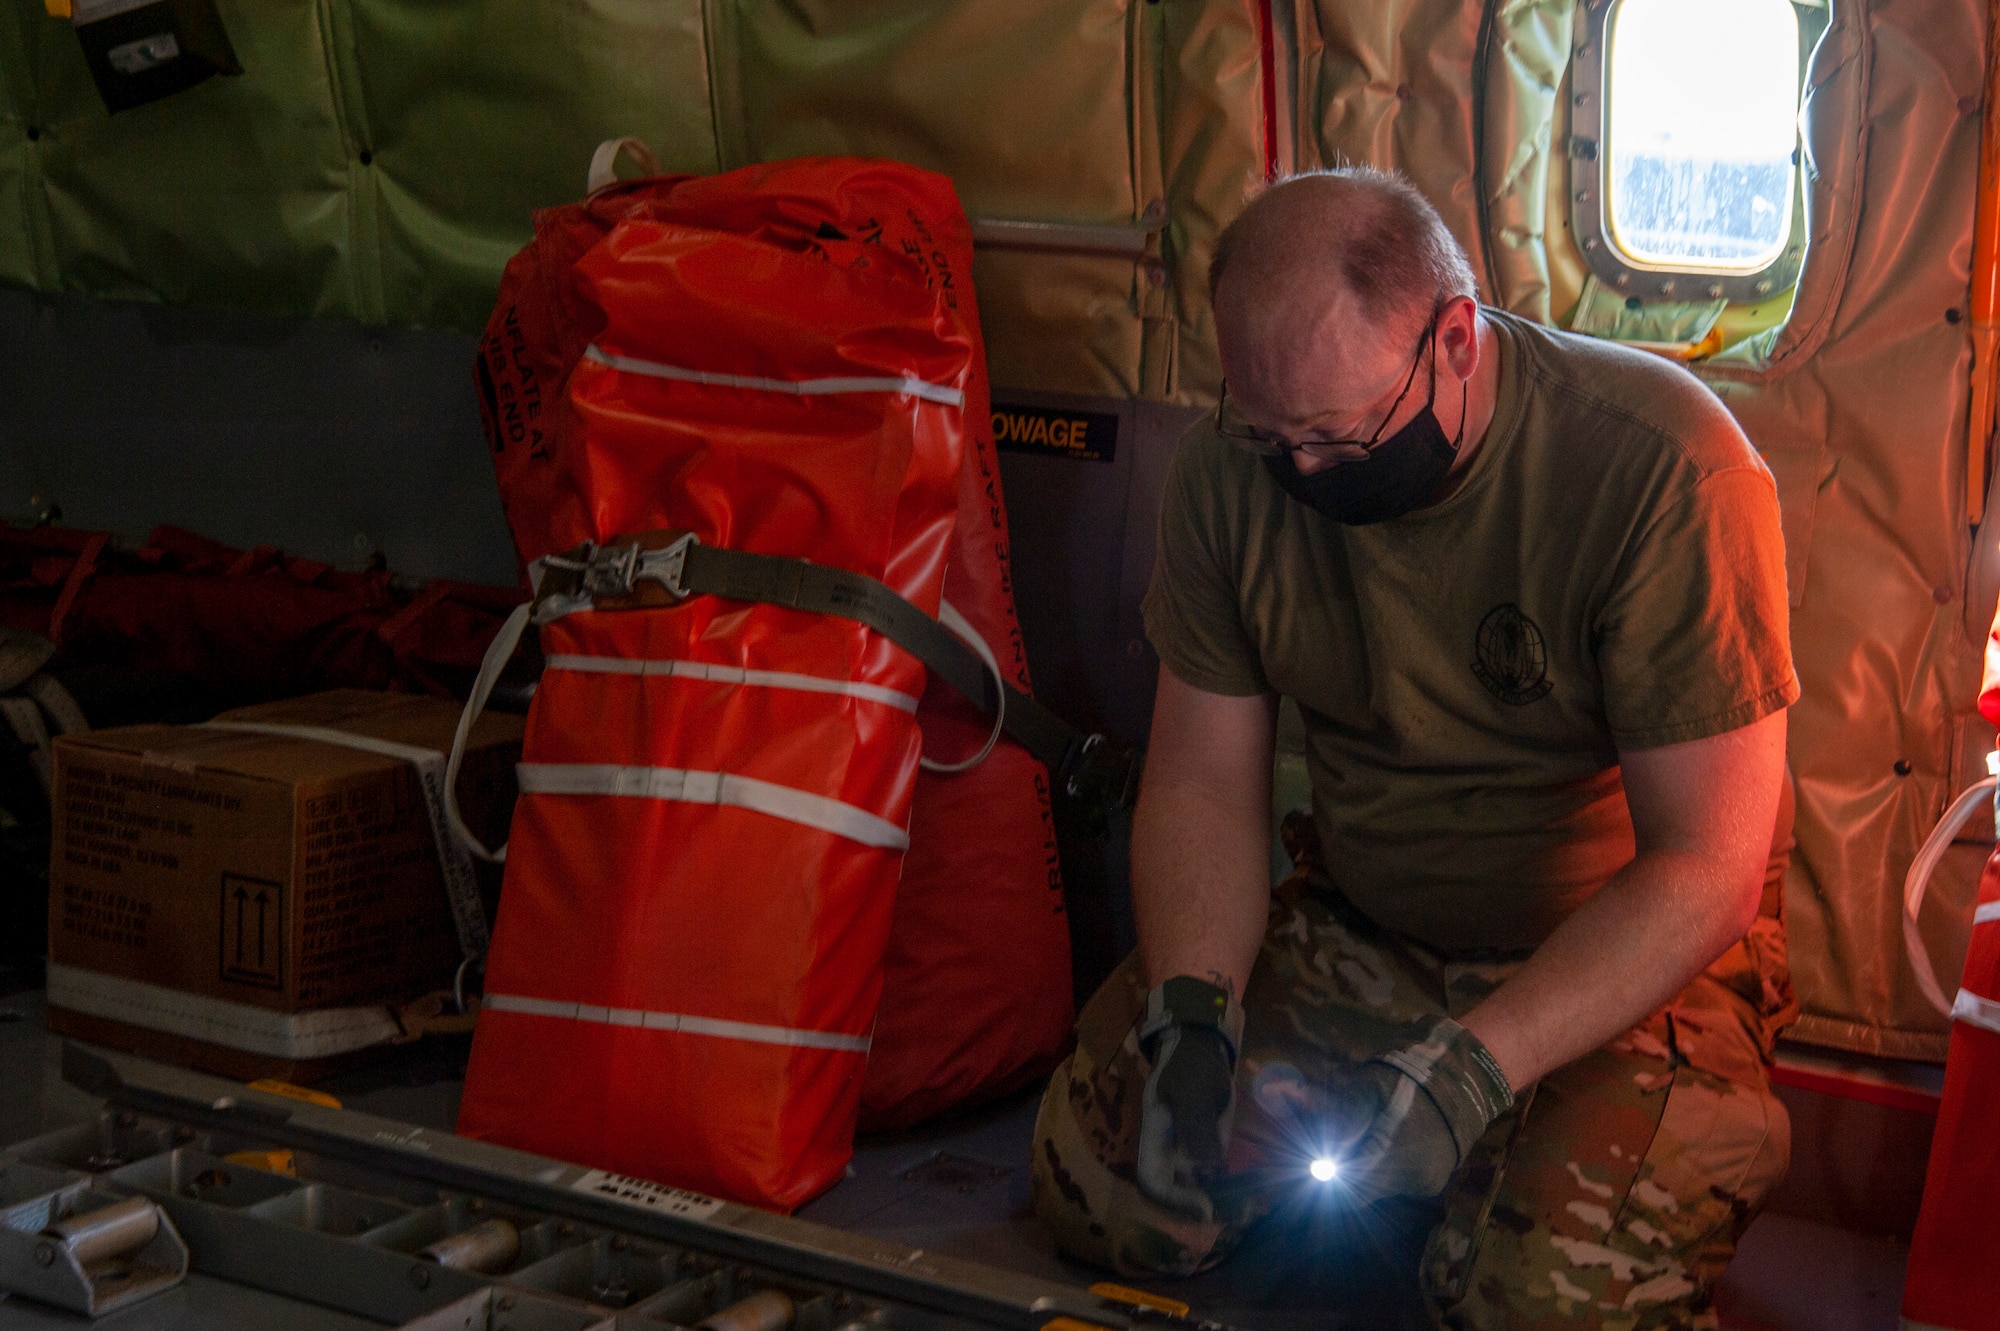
1607,575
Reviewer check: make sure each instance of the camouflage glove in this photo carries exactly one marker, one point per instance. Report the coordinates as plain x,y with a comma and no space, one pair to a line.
1401,1123
1189,1034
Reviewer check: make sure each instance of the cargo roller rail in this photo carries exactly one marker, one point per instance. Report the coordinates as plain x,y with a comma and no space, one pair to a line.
409,1227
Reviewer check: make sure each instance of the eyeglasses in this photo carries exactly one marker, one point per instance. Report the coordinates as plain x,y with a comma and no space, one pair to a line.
1239,431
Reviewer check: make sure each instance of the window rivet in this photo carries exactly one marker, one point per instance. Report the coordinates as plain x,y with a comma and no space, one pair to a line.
1590,242
1624,279
1715,291
1667,287
1764,287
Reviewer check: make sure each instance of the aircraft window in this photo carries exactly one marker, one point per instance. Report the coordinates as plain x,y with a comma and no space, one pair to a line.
1692,172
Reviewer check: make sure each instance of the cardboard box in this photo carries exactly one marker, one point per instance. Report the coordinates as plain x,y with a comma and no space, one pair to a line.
254,903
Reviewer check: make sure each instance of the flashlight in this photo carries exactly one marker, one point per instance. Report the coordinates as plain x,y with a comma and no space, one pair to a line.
1324,1169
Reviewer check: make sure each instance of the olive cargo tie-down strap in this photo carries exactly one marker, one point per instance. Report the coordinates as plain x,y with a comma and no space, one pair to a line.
663,568
660,568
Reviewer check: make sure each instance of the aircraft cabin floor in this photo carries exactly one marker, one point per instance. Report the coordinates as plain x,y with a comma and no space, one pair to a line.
959,1188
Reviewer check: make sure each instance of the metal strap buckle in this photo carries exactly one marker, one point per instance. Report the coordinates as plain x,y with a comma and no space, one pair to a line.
618,570
1080,766
1100,771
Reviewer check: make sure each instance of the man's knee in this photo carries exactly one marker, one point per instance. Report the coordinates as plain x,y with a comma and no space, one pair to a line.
1083,1184
1625,1185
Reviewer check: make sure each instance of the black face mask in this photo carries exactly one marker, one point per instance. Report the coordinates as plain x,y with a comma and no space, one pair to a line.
1398,475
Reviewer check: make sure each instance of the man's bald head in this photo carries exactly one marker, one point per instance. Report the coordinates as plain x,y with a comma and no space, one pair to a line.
1355,230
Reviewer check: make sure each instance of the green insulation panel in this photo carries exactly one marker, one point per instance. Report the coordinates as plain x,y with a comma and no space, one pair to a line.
381,159
378,161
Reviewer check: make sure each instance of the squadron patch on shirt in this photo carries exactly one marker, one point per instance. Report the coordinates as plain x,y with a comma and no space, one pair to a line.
1512,659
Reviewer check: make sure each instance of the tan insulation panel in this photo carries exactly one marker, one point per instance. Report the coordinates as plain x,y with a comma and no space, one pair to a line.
1521,140
1388,83
1862,404
1212,150
1028,107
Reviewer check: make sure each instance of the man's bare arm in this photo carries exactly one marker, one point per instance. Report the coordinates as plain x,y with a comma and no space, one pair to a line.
1703,813
1201,835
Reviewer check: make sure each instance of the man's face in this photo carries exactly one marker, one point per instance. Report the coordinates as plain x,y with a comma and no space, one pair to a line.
1309,366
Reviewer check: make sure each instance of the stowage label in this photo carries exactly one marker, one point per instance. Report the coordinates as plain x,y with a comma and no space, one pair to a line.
647,1196
1085,436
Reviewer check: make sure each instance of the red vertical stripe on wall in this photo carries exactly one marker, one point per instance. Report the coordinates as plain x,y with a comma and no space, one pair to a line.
1267,50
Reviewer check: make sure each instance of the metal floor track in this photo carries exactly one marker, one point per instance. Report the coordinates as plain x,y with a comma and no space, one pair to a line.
918,1208
404,1226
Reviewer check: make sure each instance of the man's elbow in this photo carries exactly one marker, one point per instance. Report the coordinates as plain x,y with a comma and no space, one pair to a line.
1723,899
1741,905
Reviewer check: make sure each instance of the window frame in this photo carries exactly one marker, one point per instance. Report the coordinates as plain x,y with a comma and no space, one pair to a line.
1590,188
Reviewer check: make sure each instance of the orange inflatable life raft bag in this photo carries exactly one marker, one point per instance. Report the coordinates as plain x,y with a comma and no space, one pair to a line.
716,791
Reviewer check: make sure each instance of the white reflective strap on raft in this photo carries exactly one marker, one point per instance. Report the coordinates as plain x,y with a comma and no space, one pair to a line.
1986,912
721,674
321,1033
672,783
1970,1008
1917,881
918,388
435,774
674,1021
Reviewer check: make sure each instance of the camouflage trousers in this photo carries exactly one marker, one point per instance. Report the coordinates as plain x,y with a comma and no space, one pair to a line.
1612,1196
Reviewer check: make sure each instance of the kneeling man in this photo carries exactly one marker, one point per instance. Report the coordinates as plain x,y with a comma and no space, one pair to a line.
1528,592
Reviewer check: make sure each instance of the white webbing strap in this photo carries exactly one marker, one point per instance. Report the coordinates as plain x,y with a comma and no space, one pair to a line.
673,783
902,385
498,653
949,616
320,1033
24,718
604,162
675,1021
654,667
1973,1010
434,778
1917,881
40,704
57,704
1986,912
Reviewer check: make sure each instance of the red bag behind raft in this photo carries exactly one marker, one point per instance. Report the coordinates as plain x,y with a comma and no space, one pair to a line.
976,993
